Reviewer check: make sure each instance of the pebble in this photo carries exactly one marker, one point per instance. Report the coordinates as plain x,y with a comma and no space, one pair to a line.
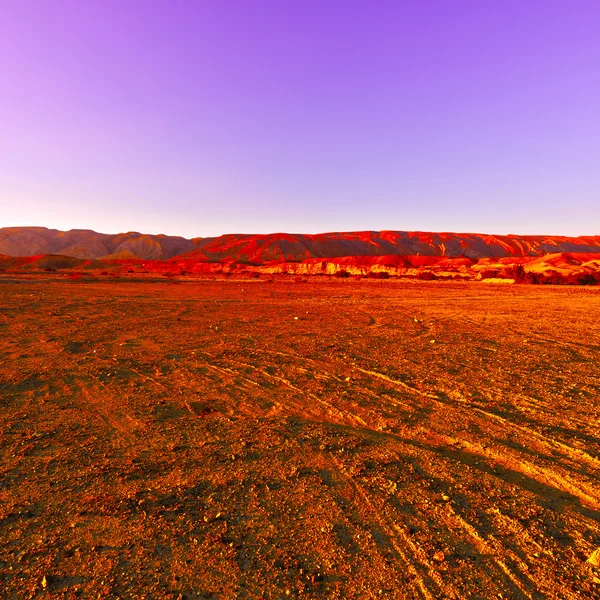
594,558
439,557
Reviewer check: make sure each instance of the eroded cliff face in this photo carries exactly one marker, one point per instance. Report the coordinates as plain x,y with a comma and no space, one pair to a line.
558,268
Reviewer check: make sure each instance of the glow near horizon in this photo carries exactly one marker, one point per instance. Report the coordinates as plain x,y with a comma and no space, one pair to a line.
199,119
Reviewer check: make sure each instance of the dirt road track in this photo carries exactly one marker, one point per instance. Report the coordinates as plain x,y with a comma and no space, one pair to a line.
273,439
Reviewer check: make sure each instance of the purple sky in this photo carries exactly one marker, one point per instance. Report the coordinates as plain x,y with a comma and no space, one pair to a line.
202,117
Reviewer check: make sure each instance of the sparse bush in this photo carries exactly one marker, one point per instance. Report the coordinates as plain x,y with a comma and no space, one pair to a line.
489,273
582,279
534,278
516,272
427,275
341,274
552,278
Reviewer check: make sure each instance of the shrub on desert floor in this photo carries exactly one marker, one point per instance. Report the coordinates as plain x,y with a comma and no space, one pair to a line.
489,273
520,275
516,272
341,274
427,275
378,275
583,278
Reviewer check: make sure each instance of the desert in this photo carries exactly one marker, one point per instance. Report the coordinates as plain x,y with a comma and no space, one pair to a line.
237,437
299,300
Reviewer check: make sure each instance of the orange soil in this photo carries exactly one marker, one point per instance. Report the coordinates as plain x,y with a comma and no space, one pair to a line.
335,439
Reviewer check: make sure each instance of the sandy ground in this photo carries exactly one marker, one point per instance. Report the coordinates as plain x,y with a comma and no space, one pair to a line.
277,439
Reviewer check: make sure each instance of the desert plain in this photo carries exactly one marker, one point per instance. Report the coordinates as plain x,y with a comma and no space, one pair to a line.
298,438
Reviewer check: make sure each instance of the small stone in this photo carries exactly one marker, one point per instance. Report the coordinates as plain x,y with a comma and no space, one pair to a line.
596,580
445,498
439,557
594,558
295,318
432,341
44,582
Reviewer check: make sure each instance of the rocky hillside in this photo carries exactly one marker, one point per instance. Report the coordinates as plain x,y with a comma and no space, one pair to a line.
261,249
87,244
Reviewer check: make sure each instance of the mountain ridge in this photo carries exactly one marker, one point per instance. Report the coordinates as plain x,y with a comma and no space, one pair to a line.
263,248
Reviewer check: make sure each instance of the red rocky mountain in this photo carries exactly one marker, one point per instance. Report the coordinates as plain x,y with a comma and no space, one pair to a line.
263,248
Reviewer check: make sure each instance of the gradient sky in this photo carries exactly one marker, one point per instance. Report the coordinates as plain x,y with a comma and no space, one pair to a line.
202,117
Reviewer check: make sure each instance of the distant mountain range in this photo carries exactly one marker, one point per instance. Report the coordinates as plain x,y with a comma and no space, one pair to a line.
88,244
261,249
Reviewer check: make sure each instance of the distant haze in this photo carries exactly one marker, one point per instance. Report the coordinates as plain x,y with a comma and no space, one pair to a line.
199,118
